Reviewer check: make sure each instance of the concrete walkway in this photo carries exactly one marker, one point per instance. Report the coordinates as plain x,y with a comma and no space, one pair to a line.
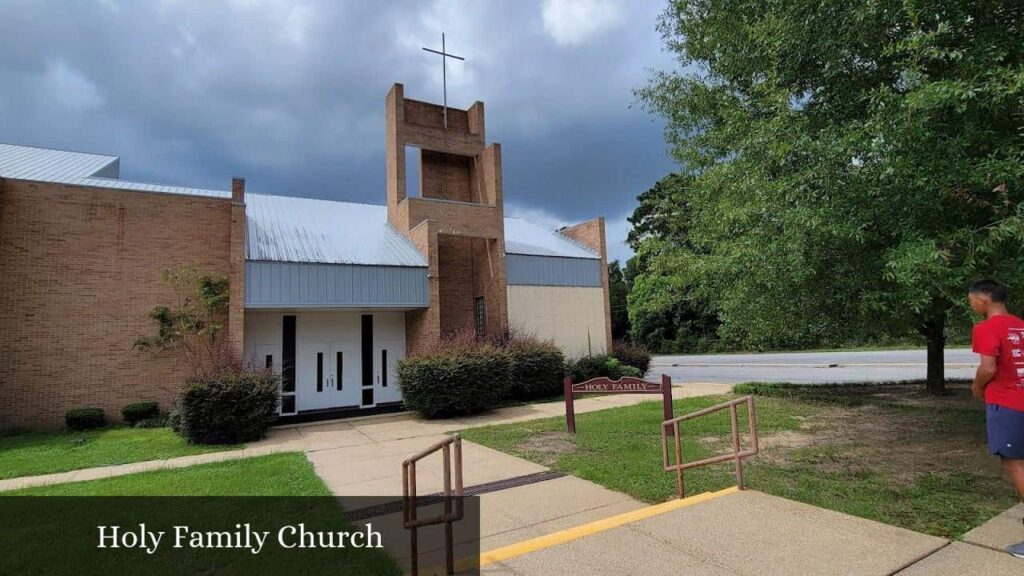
361,435
748,533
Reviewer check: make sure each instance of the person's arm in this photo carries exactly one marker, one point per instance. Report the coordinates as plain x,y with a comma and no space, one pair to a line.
986,372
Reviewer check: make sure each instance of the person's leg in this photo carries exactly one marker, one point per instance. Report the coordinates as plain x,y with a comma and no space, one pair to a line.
1015,470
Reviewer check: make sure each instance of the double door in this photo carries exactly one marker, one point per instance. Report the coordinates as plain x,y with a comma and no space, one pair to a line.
348,360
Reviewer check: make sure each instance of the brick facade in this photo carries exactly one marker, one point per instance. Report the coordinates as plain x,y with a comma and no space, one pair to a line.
461,203
80,270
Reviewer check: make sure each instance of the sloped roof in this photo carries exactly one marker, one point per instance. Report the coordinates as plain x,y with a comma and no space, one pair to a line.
80,169
291,229
524,237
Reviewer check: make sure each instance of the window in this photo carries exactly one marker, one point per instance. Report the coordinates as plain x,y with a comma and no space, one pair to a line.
479,316
384,368
319,371
270,361
339,361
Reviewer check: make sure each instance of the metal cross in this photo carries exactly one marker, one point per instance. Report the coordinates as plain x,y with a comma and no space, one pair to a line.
444,74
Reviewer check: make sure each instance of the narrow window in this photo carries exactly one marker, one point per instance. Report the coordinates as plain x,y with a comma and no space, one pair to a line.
288,355
384,368
479,316
270,361
338,360
319,371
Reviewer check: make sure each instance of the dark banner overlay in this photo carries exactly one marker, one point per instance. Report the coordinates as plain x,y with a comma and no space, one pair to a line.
227,535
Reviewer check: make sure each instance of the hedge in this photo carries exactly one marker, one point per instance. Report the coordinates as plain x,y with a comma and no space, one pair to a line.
599,366
537,369
84,419
139,411
457,382
633,355
226,408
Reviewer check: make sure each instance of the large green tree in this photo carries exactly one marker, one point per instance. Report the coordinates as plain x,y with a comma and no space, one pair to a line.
854,164
666,312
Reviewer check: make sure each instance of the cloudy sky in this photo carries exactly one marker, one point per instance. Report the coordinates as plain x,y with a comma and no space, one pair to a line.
290,94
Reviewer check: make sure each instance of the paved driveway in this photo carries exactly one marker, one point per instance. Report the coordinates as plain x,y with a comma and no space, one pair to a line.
810,367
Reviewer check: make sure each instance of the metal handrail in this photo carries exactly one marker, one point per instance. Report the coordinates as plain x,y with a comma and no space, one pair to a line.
451,446
737,454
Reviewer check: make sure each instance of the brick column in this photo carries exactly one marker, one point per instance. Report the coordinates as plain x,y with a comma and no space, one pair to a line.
236,304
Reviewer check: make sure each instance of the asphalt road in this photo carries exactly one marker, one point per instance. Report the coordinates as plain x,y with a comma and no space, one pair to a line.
810,367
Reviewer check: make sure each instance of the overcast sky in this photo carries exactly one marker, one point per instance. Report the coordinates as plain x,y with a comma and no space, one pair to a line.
290,95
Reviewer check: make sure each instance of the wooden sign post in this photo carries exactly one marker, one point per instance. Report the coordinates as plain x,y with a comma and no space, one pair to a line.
625,385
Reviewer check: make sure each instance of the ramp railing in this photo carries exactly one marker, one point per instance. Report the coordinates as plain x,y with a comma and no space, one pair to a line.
737,454
451,448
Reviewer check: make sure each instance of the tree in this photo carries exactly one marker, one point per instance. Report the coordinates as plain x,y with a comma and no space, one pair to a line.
854,164
666,313
194,327
618,289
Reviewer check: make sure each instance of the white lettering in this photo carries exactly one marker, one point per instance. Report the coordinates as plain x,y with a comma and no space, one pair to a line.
112,536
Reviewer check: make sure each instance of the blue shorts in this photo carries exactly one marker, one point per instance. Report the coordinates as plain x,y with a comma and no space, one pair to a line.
1005,431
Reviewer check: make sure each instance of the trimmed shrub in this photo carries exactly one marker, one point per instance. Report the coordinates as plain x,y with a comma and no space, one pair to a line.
227,408
537,369
84,419
158,421
460,381
633,355
600,366
139,411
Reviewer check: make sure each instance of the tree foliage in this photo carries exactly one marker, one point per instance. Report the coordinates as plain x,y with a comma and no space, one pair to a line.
666,312
618,290
850,166
194,326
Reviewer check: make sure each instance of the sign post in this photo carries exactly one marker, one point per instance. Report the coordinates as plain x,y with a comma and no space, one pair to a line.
625,385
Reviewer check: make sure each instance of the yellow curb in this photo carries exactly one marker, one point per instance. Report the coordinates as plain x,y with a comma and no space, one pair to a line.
583,530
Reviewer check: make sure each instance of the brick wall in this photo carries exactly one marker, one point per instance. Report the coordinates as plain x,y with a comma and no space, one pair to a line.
80,269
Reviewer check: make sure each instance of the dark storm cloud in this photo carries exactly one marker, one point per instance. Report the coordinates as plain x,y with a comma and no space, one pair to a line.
290,94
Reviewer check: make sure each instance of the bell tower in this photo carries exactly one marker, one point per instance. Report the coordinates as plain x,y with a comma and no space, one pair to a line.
457,221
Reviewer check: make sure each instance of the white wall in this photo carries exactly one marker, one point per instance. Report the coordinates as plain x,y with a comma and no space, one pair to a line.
569,315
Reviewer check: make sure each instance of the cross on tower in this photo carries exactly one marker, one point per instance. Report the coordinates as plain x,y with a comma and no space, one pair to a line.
444,74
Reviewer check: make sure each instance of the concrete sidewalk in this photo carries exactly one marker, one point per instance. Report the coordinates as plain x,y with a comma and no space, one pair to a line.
747,533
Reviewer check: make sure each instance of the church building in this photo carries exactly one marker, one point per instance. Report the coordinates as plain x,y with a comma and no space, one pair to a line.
331,294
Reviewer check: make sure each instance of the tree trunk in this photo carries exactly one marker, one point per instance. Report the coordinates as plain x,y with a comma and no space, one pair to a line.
934,332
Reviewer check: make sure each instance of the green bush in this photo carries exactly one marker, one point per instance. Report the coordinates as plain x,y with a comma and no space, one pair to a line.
537,369
633,355
84,419
139,411
227,408
600,366
458,381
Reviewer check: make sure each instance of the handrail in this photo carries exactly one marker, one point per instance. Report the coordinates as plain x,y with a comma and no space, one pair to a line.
448,446
737,454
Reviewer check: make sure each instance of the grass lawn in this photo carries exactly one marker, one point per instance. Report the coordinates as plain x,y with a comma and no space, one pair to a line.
288,474
33,453
889,453
36,523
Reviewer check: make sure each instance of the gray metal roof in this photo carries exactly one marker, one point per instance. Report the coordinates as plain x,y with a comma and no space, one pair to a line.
27,163
527,238
81,169
291,229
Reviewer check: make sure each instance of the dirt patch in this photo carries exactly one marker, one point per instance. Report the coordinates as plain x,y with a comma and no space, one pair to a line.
901,434
547,446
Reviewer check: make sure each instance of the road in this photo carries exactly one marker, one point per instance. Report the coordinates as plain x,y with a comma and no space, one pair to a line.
810,367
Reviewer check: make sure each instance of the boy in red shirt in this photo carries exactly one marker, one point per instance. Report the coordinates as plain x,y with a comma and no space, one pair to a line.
999,339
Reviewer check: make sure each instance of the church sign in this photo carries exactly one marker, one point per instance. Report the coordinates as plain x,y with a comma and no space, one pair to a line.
625,385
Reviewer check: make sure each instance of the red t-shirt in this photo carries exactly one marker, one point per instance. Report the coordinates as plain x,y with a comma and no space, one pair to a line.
1003,337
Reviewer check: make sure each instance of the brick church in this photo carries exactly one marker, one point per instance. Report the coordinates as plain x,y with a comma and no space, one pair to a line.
330,294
